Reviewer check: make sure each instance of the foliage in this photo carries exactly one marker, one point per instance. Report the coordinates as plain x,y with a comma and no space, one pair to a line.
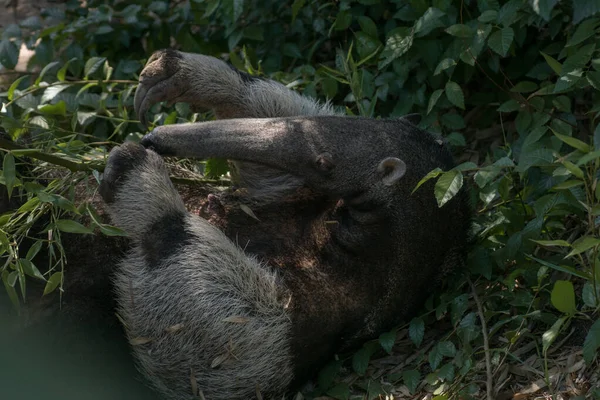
513,86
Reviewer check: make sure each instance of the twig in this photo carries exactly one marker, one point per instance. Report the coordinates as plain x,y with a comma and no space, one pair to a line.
486,345
55,160
73,166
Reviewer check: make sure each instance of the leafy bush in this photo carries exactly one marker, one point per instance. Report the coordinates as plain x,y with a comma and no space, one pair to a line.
513,86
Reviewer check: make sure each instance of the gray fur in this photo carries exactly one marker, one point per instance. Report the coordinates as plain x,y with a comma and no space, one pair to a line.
208,83
209,319
355,257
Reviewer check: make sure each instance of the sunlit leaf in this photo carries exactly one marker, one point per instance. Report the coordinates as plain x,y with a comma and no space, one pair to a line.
563,297
447,186
53,282
551,334
70,226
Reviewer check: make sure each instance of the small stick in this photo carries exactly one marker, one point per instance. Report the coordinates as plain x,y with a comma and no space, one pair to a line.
486,345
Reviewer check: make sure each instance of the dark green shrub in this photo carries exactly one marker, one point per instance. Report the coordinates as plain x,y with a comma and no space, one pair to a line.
513,86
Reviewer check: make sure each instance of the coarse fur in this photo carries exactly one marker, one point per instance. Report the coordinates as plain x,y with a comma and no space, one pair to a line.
322,244
208,83
216,314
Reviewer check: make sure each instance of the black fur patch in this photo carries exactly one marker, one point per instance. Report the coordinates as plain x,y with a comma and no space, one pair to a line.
121,161
165,238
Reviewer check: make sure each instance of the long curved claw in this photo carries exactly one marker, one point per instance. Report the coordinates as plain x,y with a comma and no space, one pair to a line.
157,83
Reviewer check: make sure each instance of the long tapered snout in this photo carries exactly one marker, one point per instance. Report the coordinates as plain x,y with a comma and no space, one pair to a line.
340,154
319,148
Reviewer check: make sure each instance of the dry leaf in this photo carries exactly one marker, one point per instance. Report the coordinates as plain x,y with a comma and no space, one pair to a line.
139,341
248,211
219,360
174,328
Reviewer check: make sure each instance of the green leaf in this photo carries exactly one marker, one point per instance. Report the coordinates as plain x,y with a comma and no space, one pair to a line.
553,63
575,143
578,60
551,243
435,357
29,205
583,244
411,378
596,139
543,8
551,334
112,230
524,87
447,186
567,81
9,54
328,373
446,372
593,78
455,94
92,65
574,169
34,249
509,106
594,155
215,168
460,30
583,9
433,100
585,30
416,331
488,16
341,391
52,91
53,282
430,175
360,360
501,40
14,86
591,344
10,289
45,70
368,26
343,20
398,42
444,65
387,340
62,73
59,108
9,172
591,297
429,21
296,7
67,225
567,185
447,348
561,268
563,297
30,269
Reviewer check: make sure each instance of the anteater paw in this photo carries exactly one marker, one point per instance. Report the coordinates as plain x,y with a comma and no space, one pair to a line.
122,160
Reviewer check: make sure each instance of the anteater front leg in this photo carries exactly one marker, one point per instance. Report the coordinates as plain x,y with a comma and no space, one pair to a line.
200,314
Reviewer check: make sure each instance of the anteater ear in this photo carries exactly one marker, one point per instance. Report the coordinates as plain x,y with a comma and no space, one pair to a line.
391,169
